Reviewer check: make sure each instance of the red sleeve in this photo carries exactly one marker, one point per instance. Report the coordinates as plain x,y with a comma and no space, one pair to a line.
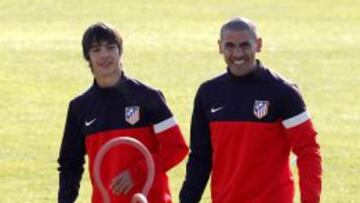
173,150
303,140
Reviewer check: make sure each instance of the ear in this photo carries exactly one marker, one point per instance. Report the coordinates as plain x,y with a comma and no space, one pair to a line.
220,49
258,44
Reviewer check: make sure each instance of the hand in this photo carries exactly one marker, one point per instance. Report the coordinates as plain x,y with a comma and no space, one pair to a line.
122,183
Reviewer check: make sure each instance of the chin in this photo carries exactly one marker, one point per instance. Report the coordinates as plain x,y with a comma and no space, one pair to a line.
237,67
240,70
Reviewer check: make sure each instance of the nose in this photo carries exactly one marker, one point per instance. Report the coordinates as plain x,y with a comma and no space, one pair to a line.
238,52
104,52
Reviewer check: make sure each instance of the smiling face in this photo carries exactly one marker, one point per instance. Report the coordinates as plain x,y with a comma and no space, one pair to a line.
239,48
104,59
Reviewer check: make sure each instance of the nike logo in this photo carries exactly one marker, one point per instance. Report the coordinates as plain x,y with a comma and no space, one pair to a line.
88,123
214,110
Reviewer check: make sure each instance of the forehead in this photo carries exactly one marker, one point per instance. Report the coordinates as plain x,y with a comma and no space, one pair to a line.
237,36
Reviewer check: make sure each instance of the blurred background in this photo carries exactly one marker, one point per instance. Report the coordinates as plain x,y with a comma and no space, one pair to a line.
171,45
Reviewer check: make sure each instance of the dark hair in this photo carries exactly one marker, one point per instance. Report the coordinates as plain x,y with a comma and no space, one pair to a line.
239,23
100,32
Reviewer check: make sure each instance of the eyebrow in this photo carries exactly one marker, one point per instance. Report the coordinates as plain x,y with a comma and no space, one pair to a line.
97,44
246,43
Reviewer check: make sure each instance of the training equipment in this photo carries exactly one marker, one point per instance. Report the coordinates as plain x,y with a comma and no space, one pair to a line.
138,197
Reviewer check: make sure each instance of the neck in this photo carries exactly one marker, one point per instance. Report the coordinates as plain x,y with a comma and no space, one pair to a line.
108,80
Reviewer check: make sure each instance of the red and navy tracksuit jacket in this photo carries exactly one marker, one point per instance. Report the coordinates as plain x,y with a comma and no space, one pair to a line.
243,130
129,109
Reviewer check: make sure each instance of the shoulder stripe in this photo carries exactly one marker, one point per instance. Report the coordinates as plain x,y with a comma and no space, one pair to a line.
296,120
164,125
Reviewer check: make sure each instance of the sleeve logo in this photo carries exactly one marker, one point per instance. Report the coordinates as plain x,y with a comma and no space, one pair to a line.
261,108
132,114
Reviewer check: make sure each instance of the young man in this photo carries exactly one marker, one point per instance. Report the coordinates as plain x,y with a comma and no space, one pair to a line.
245,123
114,106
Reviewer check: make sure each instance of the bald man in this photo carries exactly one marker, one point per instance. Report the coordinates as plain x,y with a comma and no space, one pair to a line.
245,123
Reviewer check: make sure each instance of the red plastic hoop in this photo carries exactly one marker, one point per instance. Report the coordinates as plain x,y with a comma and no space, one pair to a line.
138,197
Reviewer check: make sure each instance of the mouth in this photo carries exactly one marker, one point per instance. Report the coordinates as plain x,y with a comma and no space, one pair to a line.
105,63
238,61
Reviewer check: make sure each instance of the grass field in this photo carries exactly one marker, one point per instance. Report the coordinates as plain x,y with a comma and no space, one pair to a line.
171,45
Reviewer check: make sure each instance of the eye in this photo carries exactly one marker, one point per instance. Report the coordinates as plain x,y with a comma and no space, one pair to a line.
111,46
245,45
95,49
229,45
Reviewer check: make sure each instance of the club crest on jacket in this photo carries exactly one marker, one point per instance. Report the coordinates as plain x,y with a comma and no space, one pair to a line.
261,108
132,114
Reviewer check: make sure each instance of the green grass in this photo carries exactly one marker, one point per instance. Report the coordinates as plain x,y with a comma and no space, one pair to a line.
171,45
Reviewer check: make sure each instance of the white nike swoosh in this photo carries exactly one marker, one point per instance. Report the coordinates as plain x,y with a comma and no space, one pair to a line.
214,110
88,123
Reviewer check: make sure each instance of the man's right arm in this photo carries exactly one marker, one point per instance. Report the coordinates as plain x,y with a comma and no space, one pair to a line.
199,164
71,159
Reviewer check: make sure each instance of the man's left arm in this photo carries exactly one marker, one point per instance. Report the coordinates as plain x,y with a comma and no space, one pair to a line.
303,140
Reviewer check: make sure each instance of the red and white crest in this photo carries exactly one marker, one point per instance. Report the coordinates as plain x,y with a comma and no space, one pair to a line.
261,108
132,114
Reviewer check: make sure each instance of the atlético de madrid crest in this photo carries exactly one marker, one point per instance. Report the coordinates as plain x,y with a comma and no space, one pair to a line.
132,114
261,108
